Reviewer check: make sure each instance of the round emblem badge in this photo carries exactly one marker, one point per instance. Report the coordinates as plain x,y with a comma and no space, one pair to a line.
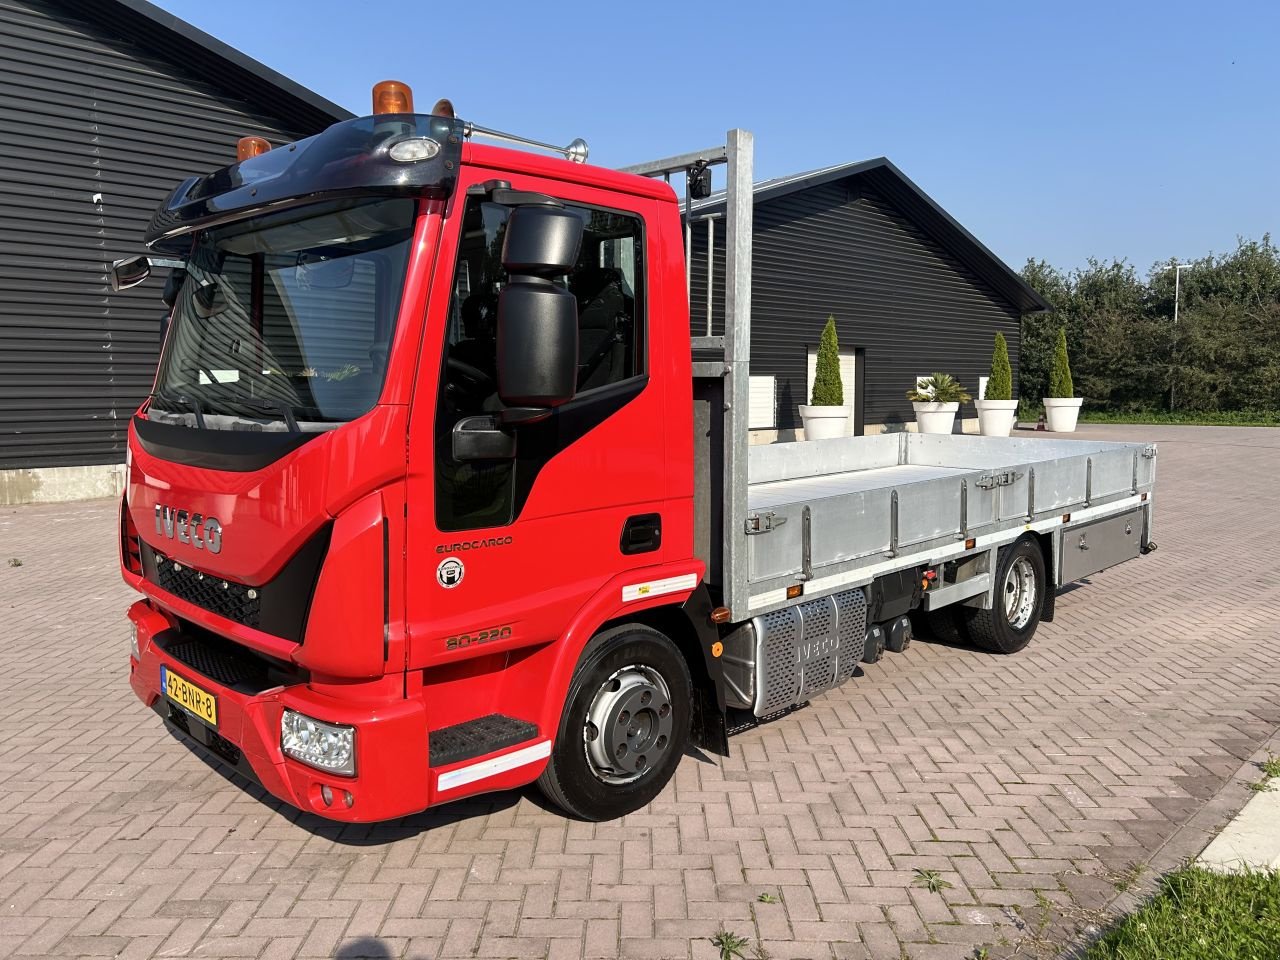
450,572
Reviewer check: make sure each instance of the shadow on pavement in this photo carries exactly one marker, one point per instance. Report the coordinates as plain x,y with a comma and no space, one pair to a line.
368,834
365,948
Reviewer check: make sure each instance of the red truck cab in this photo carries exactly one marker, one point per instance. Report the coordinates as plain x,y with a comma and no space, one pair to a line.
411,503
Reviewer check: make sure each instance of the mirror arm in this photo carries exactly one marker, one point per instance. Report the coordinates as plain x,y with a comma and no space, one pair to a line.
511,416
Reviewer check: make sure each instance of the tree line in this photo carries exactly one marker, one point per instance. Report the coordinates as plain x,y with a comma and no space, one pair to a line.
1128,354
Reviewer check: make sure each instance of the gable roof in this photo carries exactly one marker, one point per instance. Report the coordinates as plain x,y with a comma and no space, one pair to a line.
896,187
160,31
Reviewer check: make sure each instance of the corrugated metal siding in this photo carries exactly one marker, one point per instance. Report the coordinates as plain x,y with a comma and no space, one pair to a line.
843,249
85,114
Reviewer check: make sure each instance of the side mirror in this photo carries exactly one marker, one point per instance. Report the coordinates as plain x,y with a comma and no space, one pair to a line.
541,241
129,272
537,360
173,286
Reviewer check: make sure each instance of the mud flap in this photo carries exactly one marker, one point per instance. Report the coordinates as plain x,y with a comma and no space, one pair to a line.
707,726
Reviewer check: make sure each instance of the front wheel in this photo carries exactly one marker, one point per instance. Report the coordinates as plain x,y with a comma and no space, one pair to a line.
1019,598
624,727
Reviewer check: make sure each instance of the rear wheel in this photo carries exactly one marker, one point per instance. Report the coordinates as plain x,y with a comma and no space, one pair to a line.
1019,597
624,727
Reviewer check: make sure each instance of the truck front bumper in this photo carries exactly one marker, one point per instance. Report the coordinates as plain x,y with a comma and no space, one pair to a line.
391,776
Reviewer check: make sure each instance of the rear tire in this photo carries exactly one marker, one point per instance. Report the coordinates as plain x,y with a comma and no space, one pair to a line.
942,625
1019,598
624,727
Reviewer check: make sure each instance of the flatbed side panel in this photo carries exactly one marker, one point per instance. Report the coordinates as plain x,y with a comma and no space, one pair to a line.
772,462
850,527
928,511
989,453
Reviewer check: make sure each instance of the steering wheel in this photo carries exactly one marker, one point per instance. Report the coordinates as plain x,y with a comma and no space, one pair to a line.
471,380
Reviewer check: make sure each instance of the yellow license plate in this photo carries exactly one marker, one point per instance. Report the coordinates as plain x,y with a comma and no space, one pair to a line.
199,703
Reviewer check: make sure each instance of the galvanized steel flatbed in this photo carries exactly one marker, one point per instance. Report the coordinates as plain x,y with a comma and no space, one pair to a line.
834,514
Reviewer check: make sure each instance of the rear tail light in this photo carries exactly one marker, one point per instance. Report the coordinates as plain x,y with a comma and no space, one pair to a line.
130,546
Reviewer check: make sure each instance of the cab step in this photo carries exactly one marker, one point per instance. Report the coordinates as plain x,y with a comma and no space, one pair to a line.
475,738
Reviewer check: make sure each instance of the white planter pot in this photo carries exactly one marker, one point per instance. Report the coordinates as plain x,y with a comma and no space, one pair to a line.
996,417
934,417
1060,413
823,423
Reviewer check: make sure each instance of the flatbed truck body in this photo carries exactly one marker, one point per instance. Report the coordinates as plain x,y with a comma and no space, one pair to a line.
435,495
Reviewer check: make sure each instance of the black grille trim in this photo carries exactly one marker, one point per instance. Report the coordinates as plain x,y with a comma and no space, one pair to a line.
279,607
226,598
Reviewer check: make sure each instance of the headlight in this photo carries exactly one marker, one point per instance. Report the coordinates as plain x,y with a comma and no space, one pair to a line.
325,746
133,641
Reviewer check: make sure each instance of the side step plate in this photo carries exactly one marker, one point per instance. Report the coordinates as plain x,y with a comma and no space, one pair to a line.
477,737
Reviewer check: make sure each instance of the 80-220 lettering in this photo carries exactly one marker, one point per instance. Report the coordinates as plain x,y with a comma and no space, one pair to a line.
464,640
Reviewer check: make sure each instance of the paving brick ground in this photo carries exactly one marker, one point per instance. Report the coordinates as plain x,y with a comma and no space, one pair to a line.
1008,775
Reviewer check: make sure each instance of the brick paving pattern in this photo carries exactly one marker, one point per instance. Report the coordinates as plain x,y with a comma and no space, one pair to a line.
1007,775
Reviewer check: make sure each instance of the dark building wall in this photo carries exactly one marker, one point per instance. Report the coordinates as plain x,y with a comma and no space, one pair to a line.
95,130
843,249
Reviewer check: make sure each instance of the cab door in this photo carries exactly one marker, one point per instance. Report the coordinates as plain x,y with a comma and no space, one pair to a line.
502,552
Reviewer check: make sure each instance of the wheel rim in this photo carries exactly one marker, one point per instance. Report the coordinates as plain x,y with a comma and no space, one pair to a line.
1020,593
628,726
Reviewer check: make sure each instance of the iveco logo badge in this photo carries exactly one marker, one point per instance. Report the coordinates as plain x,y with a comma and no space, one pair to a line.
203,533
450,572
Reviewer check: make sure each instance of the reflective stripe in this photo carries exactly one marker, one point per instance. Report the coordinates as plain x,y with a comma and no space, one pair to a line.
656,588
494,766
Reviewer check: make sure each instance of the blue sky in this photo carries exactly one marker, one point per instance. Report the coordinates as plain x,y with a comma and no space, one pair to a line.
1062,131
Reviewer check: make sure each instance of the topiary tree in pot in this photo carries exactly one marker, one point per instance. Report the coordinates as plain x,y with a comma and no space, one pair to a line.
1061,406
827,415
997,410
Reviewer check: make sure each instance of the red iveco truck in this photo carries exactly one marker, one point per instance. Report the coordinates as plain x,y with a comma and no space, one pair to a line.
435,494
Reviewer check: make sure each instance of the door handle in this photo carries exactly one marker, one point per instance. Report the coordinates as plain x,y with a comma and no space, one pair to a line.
641,534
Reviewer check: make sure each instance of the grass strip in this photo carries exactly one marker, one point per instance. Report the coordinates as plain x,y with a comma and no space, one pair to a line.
1197,914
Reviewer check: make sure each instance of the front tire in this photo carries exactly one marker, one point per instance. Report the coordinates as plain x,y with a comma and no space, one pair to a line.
624,727
1019,598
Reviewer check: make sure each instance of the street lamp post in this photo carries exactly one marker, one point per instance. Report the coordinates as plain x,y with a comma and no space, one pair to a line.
1177,269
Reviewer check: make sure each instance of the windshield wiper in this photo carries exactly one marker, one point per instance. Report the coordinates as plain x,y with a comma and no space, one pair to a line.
191,402
273,406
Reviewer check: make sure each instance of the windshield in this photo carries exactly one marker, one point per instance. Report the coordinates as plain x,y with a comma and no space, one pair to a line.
284,322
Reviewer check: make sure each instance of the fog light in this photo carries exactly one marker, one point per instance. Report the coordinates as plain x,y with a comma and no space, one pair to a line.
325,746
133,641
326,794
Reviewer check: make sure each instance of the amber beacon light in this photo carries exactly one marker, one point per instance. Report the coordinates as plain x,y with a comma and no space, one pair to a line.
392,96
247,147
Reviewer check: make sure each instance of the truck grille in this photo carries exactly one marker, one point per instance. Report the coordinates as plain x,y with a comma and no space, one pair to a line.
226,598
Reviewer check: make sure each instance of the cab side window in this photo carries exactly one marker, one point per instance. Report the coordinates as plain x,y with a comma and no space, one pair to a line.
608,283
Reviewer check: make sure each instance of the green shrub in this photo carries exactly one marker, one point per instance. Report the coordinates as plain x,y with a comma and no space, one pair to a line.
1000,383
1060,384
828,391
938,388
